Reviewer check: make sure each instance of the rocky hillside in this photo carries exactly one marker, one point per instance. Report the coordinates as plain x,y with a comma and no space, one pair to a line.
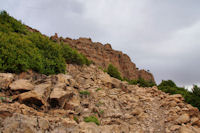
87,100
103,55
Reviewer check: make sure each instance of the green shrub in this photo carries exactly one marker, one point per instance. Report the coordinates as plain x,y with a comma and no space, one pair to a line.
92,119
190,97
169,83
9,24
144,83
19,53
141,82
76,119
5,99
98,89
101,112
84,93
113,72
22,50
72,56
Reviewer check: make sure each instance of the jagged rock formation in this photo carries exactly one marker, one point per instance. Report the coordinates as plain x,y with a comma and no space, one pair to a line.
103,55
32,103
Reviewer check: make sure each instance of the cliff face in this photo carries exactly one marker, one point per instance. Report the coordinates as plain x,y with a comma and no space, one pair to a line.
103,55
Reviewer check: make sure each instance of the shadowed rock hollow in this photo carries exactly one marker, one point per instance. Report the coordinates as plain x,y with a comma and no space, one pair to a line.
60,103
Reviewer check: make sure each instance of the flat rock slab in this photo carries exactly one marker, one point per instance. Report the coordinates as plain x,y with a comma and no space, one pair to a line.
21,84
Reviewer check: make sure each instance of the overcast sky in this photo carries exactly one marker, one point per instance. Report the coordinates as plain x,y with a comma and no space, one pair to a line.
162,36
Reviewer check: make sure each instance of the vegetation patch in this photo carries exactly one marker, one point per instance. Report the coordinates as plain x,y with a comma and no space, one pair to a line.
192,97
141,82
76,119
5,99
22,50
92,119
99,103
101,112
98,89
113,72
84,93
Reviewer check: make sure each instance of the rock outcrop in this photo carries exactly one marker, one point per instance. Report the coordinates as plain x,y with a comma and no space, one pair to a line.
103,55
60,103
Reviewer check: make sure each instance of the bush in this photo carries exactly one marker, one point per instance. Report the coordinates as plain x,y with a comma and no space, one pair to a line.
196,90
84,93
144,83
72,56
141,82
190,97
113,72
22,50
9,24
92,119
76,119
169,83
19,53
98,89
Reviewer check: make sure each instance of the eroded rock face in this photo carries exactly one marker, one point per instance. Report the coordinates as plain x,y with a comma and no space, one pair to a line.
60,103
103,55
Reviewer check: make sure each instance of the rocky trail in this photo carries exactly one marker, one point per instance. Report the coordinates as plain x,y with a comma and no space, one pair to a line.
35,103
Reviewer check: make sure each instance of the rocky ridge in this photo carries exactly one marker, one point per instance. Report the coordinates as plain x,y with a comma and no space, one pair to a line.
103,55
32,103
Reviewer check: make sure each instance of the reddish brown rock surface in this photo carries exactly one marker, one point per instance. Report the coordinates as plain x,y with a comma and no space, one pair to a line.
103,55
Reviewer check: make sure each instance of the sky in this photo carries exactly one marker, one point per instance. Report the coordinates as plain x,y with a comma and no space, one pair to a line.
162,36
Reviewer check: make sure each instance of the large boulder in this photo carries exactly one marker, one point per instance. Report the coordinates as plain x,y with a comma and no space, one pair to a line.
37,97
184,118
31,99
21,84
60,94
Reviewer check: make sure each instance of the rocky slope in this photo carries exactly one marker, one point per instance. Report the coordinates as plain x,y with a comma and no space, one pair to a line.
35,103
103,55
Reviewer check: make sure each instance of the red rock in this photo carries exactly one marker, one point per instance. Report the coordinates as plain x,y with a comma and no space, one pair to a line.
103,55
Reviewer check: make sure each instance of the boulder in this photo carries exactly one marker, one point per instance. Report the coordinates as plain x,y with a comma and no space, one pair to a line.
43,90
37,97
185,129
5,80
21,84
184,118
63,78
174,127
88,128
178,96
31,99
194,120
58,92
43,124
60,95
